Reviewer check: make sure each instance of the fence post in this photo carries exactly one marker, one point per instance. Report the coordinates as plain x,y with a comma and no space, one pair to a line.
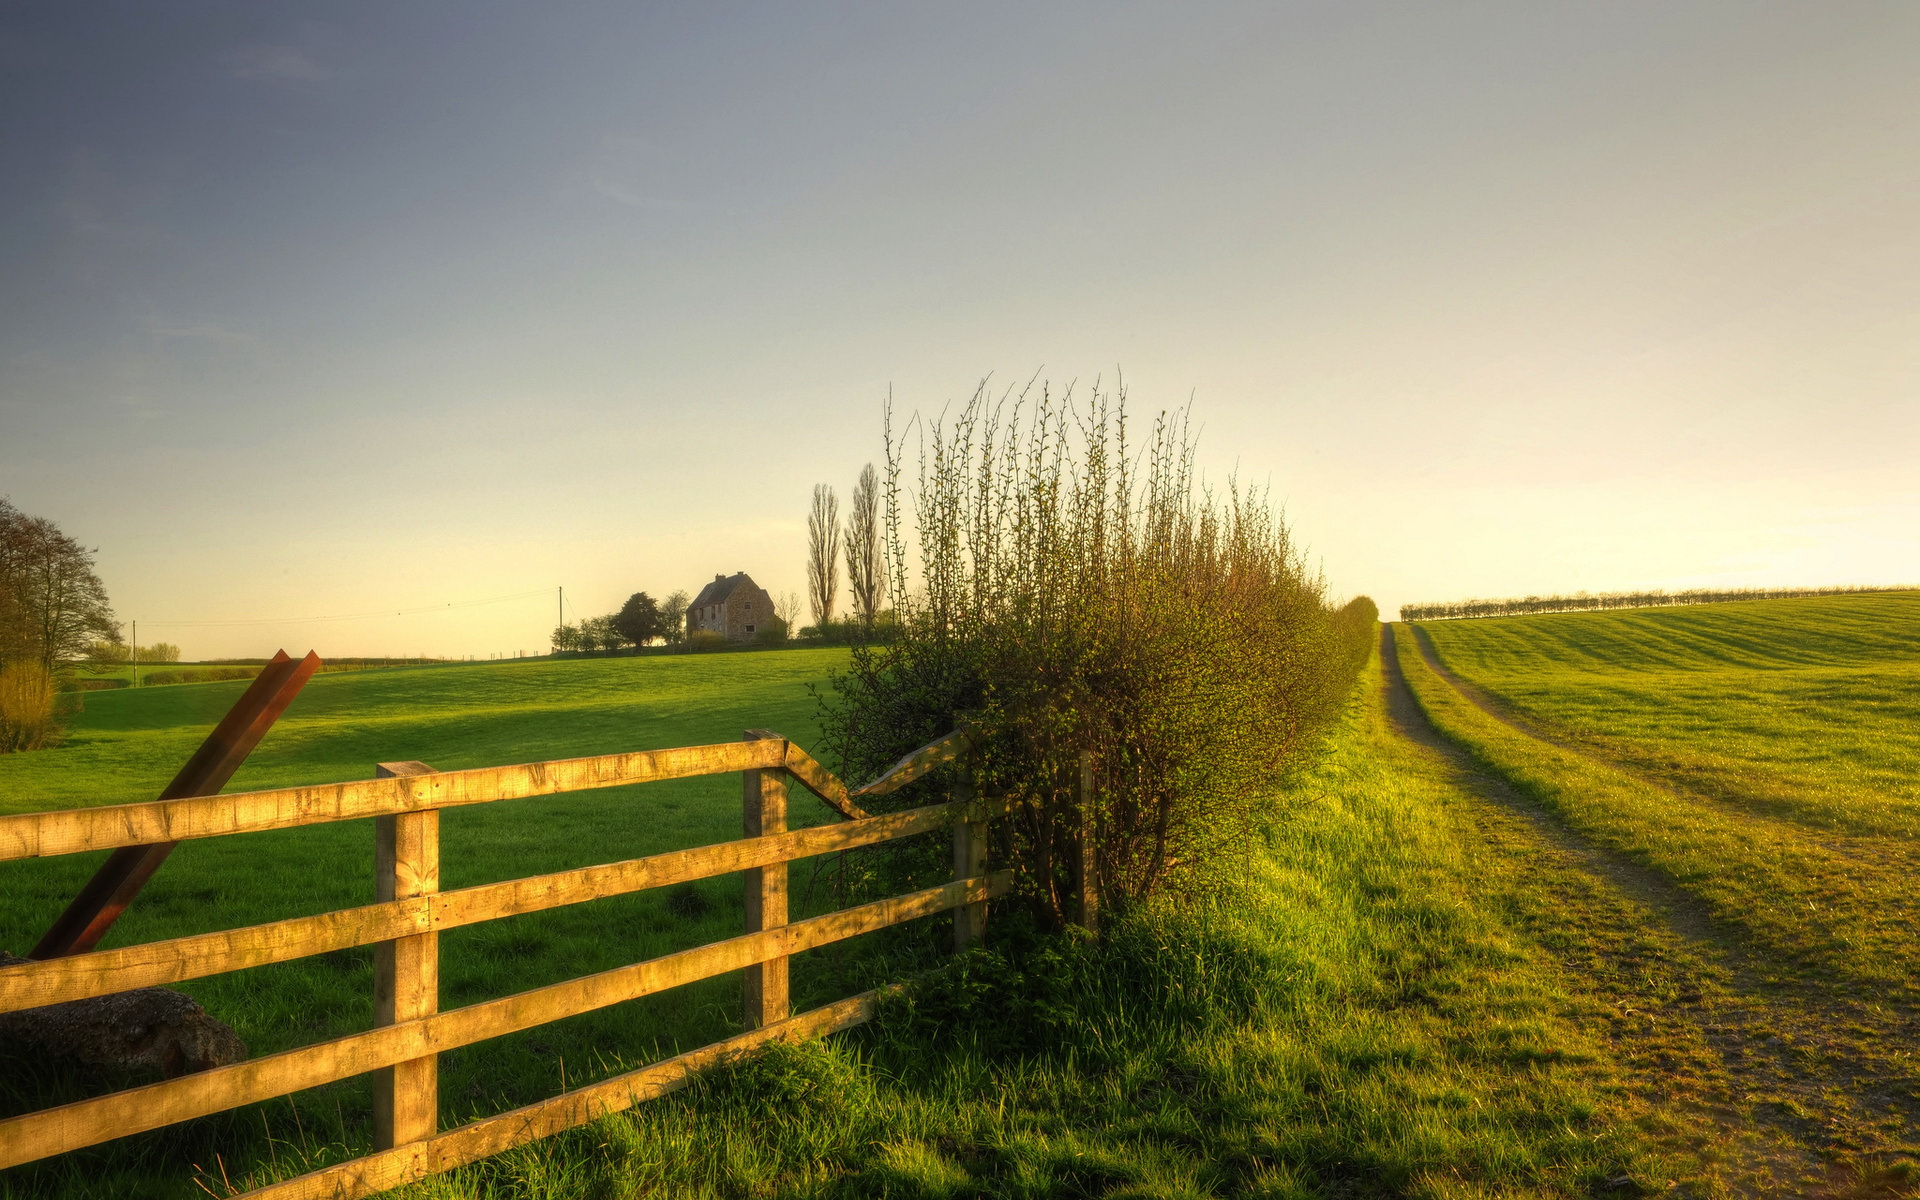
406,971
763,797
1086,883
969,855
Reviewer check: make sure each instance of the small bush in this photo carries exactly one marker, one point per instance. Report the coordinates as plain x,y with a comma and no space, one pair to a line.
28,713
771,632
1071,602
706,639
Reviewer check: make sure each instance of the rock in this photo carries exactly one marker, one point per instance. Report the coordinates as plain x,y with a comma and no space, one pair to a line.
145,1031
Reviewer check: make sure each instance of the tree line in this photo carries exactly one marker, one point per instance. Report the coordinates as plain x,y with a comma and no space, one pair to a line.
641,621
1583,602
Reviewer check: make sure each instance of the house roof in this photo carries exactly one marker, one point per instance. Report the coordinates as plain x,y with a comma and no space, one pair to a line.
721,588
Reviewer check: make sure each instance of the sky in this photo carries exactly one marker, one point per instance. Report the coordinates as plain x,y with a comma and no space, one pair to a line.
328,310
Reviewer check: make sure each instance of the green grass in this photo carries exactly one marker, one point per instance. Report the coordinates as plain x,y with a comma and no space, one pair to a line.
1804,709
1363,1016
1759,759
1844,909
1388,1005
127,744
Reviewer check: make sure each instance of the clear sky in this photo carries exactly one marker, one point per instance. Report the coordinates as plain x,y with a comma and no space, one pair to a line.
315,309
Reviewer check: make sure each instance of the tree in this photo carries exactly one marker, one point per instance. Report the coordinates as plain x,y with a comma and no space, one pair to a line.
598,633
565,638
639,620
823,552
52,605
866,568
673,616
786,606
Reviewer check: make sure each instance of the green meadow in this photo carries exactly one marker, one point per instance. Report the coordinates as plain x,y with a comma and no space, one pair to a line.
1526,926
126,745
1806,709
1361,1015
1753,767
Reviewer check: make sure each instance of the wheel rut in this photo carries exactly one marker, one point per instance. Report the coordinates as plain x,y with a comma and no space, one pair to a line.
1801,1094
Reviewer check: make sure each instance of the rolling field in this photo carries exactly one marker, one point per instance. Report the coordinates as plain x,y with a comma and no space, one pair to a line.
1501,940
127,744
1363,1016
1751,768
1807,709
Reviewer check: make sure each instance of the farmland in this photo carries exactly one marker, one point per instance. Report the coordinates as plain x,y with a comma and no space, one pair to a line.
1566,906
1749,769
126,744
1355,1016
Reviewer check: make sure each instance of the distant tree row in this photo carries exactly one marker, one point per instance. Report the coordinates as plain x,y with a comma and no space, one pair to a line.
641,621
1582,602
114,652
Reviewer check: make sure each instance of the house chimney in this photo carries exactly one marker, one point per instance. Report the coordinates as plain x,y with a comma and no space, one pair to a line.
719,578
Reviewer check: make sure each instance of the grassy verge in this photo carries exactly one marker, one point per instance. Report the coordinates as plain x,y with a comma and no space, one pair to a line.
1358,1017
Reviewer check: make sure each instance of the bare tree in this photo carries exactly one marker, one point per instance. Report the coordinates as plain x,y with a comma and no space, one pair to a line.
786,606
823,552
866,565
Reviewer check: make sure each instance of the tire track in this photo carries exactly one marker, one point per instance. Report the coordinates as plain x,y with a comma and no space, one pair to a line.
1809,1100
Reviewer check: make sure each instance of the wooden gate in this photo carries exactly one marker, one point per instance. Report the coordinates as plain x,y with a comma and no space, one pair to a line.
403,926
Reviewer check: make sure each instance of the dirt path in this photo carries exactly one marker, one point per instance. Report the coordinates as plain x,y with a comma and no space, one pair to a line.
1804,1094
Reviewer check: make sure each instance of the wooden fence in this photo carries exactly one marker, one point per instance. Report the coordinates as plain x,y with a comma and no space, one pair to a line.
404,925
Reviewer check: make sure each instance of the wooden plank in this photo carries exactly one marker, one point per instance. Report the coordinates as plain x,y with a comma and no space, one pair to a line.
482,1139
88,1122
969,859
406,970
822,783
73,830
920,762
763,813
152,964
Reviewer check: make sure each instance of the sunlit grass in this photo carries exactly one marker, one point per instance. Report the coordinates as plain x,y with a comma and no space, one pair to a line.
127,744
1808,709
1844,908
1358,1018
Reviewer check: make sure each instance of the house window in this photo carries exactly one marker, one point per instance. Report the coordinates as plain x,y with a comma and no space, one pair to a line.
749,629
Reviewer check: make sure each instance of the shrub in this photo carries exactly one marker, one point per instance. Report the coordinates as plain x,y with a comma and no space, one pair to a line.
1071,602
772,632
28,718
706,639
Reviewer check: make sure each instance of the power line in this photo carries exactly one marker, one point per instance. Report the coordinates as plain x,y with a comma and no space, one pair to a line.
364,616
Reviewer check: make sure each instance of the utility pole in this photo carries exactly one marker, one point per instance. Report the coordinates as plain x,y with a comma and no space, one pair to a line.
135,650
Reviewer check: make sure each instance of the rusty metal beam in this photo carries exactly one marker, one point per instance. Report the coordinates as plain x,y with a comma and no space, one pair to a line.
127,870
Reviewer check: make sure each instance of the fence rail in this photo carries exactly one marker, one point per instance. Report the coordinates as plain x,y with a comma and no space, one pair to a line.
410,1031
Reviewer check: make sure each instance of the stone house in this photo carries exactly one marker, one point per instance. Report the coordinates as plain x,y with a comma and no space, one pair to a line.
733,606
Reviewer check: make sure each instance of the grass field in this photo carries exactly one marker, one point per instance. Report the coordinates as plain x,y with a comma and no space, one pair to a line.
1807,709
1481,953
1383,1008
127,744
1756,764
